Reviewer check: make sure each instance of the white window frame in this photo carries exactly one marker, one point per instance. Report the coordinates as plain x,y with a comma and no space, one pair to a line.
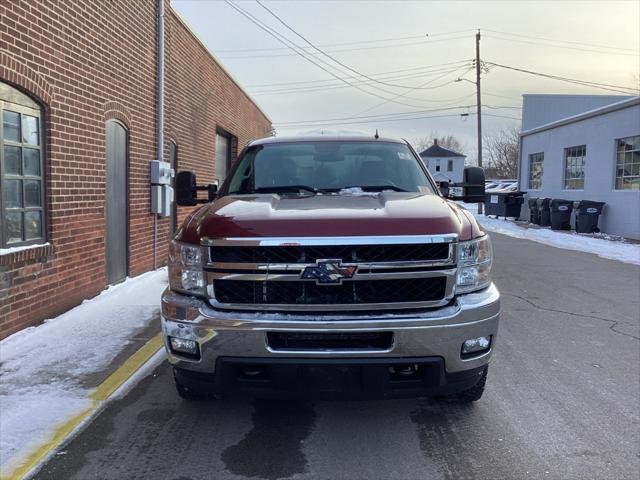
13,100
635,141
577,174
535,158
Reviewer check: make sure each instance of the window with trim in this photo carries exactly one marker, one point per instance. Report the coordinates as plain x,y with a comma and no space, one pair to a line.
437,165
536,169
22,203
574,161
449,165
628,163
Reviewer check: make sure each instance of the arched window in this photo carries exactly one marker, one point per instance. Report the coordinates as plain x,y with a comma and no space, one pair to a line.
22,203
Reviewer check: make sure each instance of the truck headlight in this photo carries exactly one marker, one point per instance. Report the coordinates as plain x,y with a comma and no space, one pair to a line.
474,264
185,268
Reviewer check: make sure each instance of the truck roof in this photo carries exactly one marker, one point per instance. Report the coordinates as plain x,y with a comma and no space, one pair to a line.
324,138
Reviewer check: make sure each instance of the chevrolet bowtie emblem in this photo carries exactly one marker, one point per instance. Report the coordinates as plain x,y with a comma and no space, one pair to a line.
329,272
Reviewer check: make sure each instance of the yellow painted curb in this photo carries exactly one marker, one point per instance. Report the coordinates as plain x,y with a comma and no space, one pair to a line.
97,397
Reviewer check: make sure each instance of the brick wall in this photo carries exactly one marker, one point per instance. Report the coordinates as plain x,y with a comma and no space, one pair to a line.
87,62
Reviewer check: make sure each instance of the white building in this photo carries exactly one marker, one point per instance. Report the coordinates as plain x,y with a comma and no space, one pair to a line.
590,155
445,165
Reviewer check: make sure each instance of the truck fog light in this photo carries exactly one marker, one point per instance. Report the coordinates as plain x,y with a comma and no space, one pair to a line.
180,345
476,345
192,280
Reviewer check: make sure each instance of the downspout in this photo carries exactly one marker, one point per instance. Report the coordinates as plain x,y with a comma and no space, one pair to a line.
160,107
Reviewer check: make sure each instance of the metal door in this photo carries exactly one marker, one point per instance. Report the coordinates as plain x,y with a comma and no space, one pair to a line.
116,203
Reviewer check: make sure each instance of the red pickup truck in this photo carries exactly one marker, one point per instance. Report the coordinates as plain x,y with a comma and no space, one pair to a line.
330,266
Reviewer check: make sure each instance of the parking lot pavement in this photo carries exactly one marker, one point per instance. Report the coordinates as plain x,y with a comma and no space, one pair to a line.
561,402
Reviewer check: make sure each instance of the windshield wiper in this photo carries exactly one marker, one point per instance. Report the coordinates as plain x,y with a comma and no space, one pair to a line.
378,188
287,188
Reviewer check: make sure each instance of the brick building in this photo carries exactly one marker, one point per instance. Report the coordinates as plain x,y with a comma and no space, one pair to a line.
78,101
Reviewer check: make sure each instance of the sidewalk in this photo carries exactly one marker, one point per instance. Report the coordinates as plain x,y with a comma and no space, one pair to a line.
56,375
598,244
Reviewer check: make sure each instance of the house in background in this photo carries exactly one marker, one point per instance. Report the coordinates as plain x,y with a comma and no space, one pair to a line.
590,153
445,165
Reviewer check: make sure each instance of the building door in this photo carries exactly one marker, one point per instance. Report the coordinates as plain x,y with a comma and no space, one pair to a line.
223,156
116,203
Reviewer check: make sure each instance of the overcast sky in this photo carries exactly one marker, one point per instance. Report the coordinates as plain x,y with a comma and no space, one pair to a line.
423,44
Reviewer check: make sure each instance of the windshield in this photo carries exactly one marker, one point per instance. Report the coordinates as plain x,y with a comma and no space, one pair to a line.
328,167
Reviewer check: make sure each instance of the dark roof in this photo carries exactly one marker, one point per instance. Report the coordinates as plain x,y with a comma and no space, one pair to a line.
436,150
323,138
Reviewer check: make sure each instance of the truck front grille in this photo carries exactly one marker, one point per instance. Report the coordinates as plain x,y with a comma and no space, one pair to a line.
346,253
324,274
349,293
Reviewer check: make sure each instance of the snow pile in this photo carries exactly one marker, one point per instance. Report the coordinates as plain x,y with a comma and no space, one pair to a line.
43,368
615,250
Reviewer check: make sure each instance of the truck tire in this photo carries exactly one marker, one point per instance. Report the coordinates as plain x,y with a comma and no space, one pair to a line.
474,393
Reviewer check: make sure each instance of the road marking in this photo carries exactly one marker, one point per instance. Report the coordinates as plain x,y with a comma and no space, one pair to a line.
98,397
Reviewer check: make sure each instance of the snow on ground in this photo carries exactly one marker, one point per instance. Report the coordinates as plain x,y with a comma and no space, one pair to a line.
42,368
612,249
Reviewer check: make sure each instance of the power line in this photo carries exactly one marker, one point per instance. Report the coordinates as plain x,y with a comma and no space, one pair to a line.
421,86
338,85
426,68
387,120
563,41
562,46
371,121
359,42
500,116
603,86
308,49
381,116
319,50
499,96
296,48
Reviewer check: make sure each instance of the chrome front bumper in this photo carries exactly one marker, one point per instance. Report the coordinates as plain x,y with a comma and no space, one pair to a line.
435,333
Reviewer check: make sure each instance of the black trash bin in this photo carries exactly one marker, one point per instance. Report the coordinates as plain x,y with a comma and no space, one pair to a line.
534,213
543,212
561,214
503,204
491,204
587,215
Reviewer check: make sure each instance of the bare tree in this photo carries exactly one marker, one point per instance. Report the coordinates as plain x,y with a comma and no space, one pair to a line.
502,151
446,141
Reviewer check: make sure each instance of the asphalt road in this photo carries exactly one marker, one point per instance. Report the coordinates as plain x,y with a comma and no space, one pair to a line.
562,402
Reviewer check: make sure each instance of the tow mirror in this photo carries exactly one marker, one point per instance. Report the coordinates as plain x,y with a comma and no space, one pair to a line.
472,186
187,190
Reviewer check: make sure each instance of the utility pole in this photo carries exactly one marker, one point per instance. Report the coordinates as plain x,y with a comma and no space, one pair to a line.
479,106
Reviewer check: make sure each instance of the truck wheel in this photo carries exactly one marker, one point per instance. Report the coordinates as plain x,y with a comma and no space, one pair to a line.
187,393
474,393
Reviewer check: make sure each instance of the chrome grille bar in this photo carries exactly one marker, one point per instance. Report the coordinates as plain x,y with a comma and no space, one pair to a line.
318,241
262,274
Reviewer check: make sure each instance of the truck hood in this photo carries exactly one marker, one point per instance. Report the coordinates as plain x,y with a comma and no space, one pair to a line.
270,215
